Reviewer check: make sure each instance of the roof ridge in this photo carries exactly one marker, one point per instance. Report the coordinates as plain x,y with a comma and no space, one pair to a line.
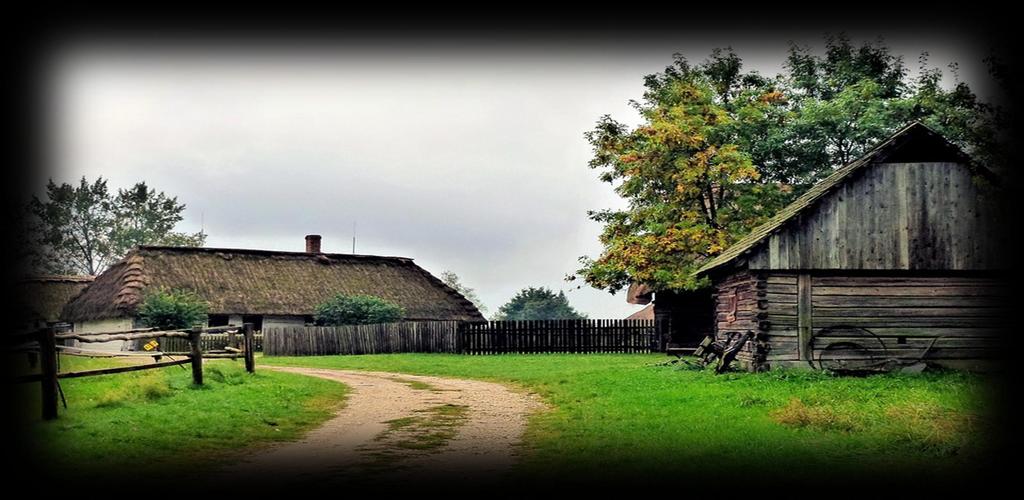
69,278
259,251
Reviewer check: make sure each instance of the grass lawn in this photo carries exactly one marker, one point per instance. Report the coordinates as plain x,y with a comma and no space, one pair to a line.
156,421
624,417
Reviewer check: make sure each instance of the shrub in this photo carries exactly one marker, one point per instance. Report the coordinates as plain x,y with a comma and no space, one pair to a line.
357,310
172,309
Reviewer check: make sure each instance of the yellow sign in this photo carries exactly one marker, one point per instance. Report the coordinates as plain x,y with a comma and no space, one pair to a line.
152,344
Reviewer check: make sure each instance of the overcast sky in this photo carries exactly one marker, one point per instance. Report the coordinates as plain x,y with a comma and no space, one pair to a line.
463,157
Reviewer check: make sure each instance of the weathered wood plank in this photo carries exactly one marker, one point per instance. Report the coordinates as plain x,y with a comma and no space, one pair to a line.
912,291
898,321
911,312
804,315
901,301
930,281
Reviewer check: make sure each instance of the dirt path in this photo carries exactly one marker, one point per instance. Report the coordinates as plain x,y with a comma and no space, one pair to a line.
397,426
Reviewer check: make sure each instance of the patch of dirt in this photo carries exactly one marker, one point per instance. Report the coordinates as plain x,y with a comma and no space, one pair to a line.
402,427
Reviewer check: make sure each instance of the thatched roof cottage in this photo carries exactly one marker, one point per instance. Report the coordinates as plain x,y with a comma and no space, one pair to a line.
263,287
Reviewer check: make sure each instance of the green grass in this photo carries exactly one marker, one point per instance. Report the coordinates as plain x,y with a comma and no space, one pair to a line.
622,417
157,421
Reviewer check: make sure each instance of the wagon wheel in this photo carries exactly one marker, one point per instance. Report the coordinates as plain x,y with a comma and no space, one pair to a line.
848,356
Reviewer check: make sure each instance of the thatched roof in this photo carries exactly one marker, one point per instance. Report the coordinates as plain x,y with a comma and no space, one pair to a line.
639,293
914,142
236,281
41,298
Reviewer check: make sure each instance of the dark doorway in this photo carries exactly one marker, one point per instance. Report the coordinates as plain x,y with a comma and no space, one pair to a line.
256,320
684,318
218,320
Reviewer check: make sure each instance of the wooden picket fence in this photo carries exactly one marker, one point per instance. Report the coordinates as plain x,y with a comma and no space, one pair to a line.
211,342
494,337
560,336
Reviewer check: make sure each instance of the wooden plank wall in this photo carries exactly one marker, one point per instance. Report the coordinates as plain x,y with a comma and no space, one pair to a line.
427,336
781,330
964,316
560,336
906,216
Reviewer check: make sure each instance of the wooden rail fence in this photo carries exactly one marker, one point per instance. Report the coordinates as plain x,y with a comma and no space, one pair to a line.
44,344
494,337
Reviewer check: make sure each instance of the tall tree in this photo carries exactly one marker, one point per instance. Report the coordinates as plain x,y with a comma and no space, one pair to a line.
538,303
143,216
720,150
451,279
687,173
84,229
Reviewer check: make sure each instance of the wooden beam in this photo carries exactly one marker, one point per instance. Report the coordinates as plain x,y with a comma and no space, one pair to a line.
805,323
122,369
107,337
141,333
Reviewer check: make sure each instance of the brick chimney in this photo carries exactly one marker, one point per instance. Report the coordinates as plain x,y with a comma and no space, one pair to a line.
312,243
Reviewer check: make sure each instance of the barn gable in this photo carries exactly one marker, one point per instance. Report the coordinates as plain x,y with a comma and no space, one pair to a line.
914,202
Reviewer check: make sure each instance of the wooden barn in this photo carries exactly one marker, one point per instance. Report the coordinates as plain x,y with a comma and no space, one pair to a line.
263,287
893,259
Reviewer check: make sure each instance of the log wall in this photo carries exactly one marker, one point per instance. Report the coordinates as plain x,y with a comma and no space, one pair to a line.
738,305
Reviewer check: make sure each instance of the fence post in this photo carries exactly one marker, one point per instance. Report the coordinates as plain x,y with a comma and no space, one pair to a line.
48,361
196,353
250,348
460,332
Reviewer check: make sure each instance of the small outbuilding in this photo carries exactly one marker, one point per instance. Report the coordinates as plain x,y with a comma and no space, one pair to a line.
894,258
264,287
40,299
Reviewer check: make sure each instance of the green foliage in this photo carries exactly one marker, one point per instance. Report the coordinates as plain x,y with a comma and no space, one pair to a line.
172,309
84,229
720,150
538,303
357,310
451,279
